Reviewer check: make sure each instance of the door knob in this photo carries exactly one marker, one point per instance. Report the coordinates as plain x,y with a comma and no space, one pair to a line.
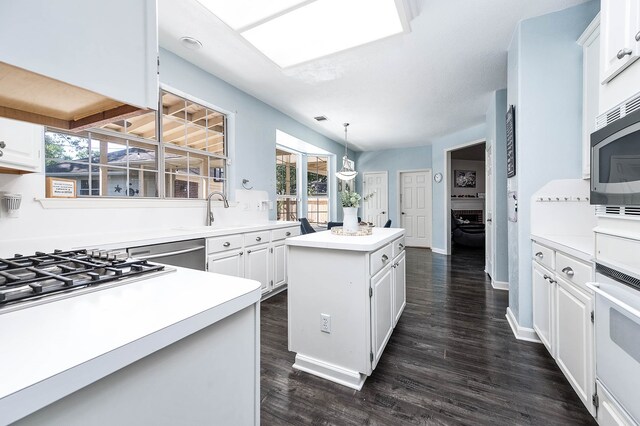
489,220
2,144
624,52
384,212
402,212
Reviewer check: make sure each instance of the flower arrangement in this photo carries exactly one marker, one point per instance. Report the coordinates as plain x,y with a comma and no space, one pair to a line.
352,198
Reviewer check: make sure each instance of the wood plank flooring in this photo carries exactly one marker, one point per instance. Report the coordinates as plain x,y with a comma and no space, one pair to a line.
451,360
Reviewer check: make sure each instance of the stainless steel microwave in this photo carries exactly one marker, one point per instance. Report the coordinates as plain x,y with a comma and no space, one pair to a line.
615,162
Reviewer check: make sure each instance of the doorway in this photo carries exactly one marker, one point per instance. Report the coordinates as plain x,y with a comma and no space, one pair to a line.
466,195
415,207
376,207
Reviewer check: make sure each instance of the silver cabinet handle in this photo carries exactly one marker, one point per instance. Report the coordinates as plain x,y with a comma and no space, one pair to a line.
638,36
401,246
385,257
624,52
2,144
546,277
539,255
248,251
258,238
568,271
288,234
241,253
227,244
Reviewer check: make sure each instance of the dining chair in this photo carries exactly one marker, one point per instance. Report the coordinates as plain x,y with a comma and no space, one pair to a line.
305,226
388,224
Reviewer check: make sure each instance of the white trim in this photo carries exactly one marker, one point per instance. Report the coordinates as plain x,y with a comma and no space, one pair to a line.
591,29
521,333
447,189
343,376
439,251
500,285
123,203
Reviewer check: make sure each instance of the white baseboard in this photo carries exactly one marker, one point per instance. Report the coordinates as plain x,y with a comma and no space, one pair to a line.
500,285
437,250
521,333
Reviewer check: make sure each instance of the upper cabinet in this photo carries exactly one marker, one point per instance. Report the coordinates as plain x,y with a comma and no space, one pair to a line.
20,147
590,42
620,40
71,64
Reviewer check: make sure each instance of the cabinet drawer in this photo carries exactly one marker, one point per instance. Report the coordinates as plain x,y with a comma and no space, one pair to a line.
572,270
379,259
259,237
543,255
397,247
228,242
281,234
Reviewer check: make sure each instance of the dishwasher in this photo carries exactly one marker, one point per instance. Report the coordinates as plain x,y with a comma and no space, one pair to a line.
186,254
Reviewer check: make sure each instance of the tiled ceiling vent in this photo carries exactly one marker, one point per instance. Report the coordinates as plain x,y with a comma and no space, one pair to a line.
320,118
619,111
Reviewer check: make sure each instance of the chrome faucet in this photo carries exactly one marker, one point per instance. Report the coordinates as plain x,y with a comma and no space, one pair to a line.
209,219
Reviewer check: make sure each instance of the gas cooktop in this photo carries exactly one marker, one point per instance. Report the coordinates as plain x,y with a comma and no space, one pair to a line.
44,277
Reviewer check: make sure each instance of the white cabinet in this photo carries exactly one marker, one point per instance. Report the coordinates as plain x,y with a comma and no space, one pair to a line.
543,289
609,411
20,146
109,48
620,36
279,264
399,286
574,339
562,309
590,42
227,263
382,319
256,266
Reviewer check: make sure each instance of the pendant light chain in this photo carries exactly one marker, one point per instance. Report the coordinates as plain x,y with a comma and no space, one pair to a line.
347,172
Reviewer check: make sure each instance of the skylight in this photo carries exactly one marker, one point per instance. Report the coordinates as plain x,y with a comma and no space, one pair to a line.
290,35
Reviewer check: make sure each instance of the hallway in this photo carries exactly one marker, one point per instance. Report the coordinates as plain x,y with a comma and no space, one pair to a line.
451,360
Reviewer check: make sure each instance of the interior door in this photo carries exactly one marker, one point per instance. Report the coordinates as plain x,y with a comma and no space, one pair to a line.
488,239
376,208
416,207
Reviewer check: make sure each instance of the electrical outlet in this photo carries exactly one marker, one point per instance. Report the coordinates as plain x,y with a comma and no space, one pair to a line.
325,323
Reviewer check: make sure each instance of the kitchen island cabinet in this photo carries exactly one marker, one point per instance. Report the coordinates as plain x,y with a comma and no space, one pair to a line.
178,348
345,295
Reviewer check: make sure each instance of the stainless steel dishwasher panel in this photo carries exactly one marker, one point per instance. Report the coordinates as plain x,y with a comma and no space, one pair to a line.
186,254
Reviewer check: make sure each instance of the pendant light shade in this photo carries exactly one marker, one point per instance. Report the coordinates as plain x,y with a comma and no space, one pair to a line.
347,172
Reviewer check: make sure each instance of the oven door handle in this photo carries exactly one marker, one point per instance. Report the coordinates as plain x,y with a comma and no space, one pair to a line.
170,253
619,303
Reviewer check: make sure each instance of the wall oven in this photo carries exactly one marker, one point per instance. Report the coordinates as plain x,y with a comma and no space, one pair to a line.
615,162
617,335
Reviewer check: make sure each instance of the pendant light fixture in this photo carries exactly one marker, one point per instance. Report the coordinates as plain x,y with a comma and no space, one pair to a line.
347,172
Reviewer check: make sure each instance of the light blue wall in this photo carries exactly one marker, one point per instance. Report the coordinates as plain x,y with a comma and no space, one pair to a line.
478,132
496,138
392,161
255,124
545,85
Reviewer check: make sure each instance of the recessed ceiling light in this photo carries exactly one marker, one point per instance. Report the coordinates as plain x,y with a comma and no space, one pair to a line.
191,43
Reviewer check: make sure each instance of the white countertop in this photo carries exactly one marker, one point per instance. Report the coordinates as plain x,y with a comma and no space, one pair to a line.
129,238
325,239
579,246
53,349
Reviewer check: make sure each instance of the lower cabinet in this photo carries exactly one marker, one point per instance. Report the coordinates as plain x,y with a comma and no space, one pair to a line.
543,288
562,317
574,341
382,318
399,286
259,256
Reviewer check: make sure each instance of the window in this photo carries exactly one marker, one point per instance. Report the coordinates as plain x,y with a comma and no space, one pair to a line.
287,184
317,191
124,158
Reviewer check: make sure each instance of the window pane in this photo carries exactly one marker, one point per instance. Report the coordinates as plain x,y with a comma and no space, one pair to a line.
318,210
143,126
215,185
287,209
317,175
145,182
286,176
143,156
198,164
175,161
61,146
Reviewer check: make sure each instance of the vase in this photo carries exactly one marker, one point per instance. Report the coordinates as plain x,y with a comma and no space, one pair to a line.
350,219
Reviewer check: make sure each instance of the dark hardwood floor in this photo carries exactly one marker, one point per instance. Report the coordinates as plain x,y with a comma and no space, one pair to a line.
452,359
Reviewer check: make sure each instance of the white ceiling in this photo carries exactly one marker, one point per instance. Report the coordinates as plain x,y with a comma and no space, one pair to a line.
405,90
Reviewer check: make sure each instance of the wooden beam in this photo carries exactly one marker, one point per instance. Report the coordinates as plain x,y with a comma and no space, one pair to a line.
16,114
122,112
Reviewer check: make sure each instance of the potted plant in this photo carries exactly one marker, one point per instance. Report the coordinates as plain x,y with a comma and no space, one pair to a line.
350,203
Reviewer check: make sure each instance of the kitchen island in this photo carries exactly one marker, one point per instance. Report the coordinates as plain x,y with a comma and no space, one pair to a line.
345,296
178,348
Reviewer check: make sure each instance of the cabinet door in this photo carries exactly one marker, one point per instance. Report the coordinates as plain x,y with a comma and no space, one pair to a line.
256,266
228,263
22,145
543,284
620,23
381,312
399,287
279,264
590,41
574,339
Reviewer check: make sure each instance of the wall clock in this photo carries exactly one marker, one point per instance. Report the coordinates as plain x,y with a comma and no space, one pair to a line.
437,177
